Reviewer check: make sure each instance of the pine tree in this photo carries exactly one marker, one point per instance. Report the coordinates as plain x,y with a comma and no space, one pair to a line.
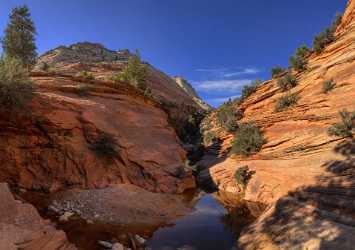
19,40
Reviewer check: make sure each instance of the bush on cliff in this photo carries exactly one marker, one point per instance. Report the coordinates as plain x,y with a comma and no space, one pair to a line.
277,71
83,90
87,75
227,116
134,72
286,101
243,175
328,85
287,82
209,137
247,140
345,127
327,36
16,88
299,60
250,89
105,145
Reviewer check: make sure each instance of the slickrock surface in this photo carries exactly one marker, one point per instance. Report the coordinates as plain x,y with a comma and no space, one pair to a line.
52,148
21,227
305,176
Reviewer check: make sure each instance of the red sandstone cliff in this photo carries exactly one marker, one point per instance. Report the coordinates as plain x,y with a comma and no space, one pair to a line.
51,149
303,174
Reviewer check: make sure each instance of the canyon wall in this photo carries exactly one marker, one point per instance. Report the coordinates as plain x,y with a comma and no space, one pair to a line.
305,176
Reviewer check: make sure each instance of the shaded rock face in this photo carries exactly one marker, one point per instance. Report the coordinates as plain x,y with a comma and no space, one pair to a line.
303,174
21,227
52,148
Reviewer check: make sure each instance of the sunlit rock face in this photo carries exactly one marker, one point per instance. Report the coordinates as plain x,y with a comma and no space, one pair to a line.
305,175
52,149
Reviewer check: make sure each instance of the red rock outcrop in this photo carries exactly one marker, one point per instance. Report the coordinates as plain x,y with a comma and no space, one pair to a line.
51,149
303,174
21,227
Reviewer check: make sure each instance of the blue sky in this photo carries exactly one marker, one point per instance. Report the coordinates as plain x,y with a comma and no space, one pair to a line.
217,45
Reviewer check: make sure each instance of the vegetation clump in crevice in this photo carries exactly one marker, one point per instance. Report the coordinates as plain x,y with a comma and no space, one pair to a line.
277,71
249,89
345,127
287,82
83,90
328,86
227,116
209,137
16,87
286,101
105,146
327,36
243,175
248,140
299,60
87,75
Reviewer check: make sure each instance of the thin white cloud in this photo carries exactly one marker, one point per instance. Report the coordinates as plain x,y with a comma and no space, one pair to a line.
222,85
212,70
246,71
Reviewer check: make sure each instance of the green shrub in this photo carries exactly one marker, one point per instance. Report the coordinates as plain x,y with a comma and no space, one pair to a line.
134,72
83,90
227,116
16,88
299,60
287,82
87,75
328,85
345,127
250,89
247,140
285,102
277,71
327,36
209,138
322,40
44,67
105,145
243,175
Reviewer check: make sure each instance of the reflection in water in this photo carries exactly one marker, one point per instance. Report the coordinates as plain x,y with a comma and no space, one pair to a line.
210,226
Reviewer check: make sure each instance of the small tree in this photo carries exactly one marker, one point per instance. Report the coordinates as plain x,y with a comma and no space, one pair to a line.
299,60
135,72
277,71
286,101
19,39
346,127
328,85
287,82
16,88
247,140
243,175
227,116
